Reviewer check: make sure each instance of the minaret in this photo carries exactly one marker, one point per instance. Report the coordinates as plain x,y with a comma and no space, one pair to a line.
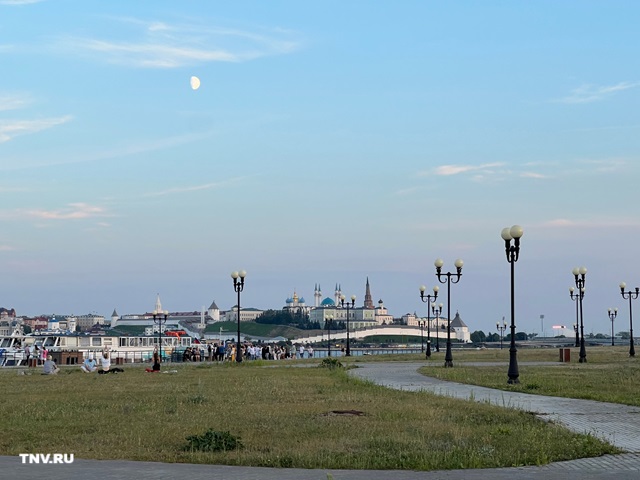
317,293
158,307
368,301
337,295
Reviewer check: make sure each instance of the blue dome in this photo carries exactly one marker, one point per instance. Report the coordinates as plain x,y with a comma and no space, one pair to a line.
327,302
289,300
301,300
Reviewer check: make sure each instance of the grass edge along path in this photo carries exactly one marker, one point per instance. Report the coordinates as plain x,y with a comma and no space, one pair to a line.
282,416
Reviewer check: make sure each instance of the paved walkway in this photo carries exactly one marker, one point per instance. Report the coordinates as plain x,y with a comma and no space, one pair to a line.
617,424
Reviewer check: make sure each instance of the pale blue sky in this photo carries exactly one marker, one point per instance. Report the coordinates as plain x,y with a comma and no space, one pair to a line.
329,141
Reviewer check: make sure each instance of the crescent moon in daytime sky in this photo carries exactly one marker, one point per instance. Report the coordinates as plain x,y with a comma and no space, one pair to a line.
195,83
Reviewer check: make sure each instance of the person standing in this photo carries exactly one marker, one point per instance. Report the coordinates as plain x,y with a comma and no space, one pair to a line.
301,351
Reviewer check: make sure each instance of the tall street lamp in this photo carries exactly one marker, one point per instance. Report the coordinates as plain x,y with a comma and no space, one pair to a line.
501,328
631,295
429,300
437,311
348,304
513,252
579,275
613,313
421,324
160,319
576,298
238,286
329,324
447,278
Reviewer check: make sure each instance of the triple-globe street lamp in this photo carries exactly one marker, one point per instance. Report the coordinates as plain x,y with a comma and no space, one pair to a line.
160,319
348,305
238,286
448,278
631,295
437,311
613,313
576,298
501,328
429,300
513,252
579,274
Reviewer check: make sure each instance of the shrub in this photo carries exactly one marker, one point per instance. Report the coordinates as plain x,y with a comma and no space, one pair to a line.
330,363
212,441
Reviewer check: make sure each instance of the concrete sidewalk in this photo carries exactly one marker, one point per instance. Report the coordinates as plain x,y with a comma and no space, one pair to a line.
617,424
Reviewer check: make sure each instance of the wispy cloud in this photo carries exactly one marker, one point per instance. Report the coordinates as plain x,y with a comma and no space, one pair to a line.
533,175
593,93
13,102
594,224
74,211
448,170
12,128
19,2
161,45
193,188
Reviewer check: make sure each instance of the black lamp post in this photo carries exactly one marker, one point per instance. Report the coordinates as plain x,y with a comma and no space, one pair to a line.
429,300
446,278
351,304
329,324
613,313
160,318
421,325
576,298
501,328
513,252
238,286
579,275
631,295
437,311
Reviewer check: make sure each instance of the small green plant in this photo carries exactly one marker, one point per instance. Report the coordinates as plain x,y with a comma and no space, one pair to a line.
331,363
212,441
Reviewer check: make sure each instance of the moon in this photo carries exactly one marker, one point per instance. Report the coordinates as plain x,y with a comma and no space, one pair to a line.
195,83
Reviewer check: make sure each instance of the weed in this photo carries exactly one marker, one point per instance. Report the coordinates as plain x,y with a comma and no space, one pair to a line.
212,441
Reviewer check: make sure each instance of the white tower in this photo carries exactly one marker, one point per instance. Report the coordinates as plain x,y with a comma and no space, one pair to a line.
317,293
114,318
214,312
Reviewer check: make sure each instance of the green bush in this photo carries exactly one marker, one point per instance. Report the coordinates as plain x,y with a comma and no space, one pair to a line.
212,441
330,363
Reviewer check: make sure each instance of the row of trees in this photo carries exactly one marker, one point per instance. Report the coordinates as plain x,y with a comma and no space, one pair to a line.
480,337
280,317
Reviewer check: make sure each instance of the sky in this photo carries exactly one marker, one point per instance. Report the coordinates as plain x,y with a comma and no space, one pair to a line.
329,142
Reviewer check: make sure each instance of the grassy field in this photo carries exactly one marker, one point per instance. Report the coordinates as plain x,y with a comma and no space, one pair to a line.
284,417
609,375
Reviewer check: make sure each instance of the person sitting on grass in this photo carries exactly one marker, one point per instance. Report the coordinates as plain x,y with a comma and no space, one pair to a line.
105,362
155,368
50,367
89,365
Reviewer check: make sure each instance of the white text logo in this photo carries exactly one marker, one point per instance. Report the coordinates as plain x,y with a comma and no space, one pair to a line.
46,457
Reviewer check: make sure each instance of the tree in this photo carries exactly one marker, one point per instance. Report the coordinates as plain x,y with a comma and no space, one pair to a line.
478,337
493,337
26,329
623,335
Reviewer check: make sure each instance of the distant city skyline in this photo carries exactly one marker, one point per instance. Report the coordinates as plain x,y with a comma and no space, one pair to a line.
327,142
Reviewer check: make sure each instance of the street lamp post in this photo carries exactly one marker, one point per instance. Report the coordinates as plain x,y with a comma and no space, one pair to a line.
579,274
513,252
160,319
437,311
447,278
631,295
351,304
238,286
576,298
613,313
502,328
421,325
329,323
429,300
